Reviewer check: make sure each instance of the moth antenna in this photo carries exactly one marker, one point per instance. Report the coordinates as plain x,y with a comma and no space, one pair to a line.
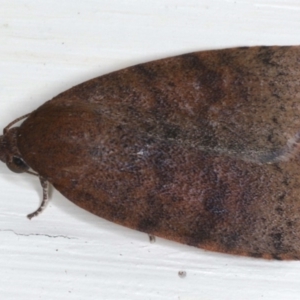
44,184
32,173
14,122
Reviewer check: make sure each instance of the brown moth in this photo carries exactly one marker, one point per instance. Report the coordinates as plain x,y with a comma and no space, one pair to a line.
202,148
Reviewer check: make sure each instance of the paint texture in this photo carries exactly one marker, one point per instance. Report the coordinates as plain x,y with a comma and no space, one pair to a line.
201,148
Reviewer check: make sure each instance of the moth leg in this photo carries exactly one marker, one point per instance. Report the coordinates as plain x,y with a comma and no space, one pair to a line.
44,184
152,238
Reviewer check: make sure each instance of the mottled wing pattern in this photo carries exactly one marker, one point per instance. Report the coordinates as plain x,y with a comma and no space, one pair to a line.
200,148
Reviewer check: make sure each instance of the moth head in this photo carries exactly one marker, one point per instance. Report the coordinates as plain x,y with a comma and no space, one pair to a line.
9,152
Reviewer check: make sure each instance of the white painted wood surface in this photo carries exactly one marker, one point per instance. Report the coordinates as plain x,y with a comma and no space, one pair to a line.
49,46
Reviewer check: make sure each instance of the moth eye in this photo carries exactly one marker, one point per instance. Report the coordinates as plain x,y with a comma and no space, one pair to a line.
18,162
17,165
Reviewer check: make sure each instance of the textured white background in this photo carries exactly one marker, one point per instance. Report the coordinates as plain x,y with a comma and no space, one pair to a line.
49,46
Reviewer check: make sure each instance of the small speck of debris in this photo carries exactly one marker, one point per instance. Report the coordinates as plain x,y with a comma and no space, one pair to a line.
182,274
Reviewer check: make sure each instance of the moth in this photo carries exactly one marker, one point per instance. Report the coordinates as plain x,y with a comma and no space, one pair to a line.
201,148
